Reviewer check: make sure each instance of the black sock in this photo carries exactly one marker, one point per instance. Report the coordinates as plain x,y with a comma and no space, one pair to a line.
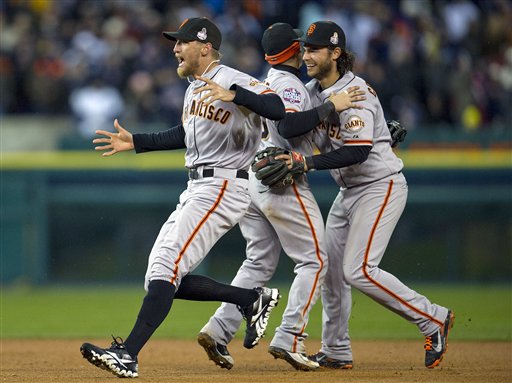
155,307
201,288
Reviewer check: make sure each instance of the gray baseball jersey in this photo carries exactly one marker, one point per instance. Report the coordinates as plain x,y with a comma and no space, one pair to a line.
221,134
295,98
221,138
361,221
358,127
287,219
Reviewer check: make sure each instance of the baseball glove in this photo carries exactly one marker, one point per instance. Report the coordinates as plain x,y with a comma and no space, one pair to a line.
275,173
397,131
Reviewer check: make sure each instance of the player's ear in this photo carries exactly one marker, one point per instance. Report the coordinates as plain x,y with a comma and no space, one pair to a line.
205,49
336,53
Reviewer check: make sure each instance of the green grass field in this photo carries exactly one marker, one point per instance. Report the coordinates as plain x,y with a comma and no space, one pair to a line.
483,312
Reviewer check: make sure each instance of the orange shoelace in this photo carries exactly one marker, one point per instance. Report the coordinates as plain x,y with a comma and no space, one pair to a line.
428,343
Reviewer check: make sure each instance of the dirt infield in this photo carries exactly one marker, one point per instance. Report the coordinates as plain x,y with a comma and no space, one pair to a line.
59,361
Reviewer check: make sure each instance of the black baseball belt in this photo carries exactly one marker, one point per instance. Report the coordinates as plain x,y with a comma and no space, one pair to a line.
195,174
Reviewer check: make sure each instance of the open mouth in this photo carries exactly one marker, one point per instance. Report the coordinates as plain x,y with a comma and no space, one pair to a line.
180,60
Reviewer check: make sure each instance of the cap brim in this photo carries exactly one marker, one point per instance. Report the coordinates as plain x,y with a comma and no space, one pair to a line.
307,41
298,32
173,36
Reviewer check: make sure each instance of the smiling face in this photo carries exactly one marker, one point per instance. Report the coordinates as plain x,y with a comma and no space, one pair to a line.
321,62
188,54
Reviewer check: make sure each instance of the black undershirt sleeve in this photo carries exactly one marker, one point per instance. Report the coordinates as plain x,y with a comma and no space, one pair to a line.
299,123
339,158
267,105
173,138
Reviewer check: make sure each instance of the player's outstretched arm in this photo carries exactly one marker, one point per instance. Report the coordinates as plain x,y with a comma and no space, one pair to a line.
268,105
114,142
299,123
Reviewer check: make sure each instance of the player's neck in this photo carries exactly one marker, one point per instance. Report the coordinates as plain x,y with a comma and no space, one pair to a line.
330,79
208,66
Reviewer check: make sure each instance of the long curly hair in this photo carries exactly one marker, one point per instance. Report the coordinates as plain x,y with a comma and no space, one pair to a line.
345,62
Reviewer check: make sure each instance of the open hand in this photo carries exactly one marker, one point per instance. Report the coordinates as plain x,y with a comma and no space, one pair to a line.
114,142
347,99
213,92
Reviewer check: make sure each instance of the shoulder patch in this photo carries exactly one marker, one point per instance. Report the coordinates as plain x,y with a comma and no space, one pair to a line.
354,124
292,95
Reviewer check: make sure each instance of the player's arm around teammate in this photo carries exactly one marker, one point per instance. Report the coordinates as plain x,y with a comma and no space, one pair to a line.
373,194
287,219
215,199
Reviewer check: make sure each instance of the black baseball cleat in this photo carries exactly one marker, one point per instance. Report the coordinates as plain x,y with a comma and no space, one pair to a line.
114,359
216,352
257,315
324,361
436,344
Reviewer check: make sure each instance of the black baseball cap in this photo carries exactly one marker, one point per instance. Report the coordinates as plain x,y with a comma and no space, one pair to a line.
279,42
324,34
197,29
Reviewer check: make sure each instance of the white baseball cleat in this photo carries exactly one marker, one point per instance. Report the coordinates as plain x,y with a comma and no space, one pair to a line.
298,360
114,359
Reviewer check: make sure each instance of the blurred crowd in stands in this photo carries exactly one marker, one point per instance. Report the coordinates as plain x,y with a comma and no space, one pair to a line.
432,62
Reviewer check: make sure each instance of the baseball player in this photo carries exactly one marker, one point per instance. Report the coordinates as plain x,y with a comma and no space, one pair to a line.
287,219
373,193
221,132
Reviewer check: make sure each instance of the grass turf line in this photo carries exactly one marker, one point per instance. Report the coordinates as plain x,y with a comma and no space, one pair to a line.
483,312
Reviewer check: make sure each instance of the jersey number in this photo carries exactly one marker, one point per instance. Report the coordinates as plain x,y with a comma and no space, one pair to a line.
334,132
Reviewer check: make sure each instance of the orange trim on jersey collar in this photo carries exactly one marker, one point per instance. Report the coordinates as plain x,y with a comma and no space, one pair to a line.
282,56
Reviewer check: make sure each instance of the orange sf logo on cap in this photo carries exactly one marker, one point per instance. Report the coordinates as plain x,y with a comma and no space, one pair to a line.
311,28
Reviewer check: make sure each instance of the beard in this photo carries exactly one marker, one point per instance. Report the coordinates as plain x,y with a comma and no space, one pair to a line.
189,68
323,70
